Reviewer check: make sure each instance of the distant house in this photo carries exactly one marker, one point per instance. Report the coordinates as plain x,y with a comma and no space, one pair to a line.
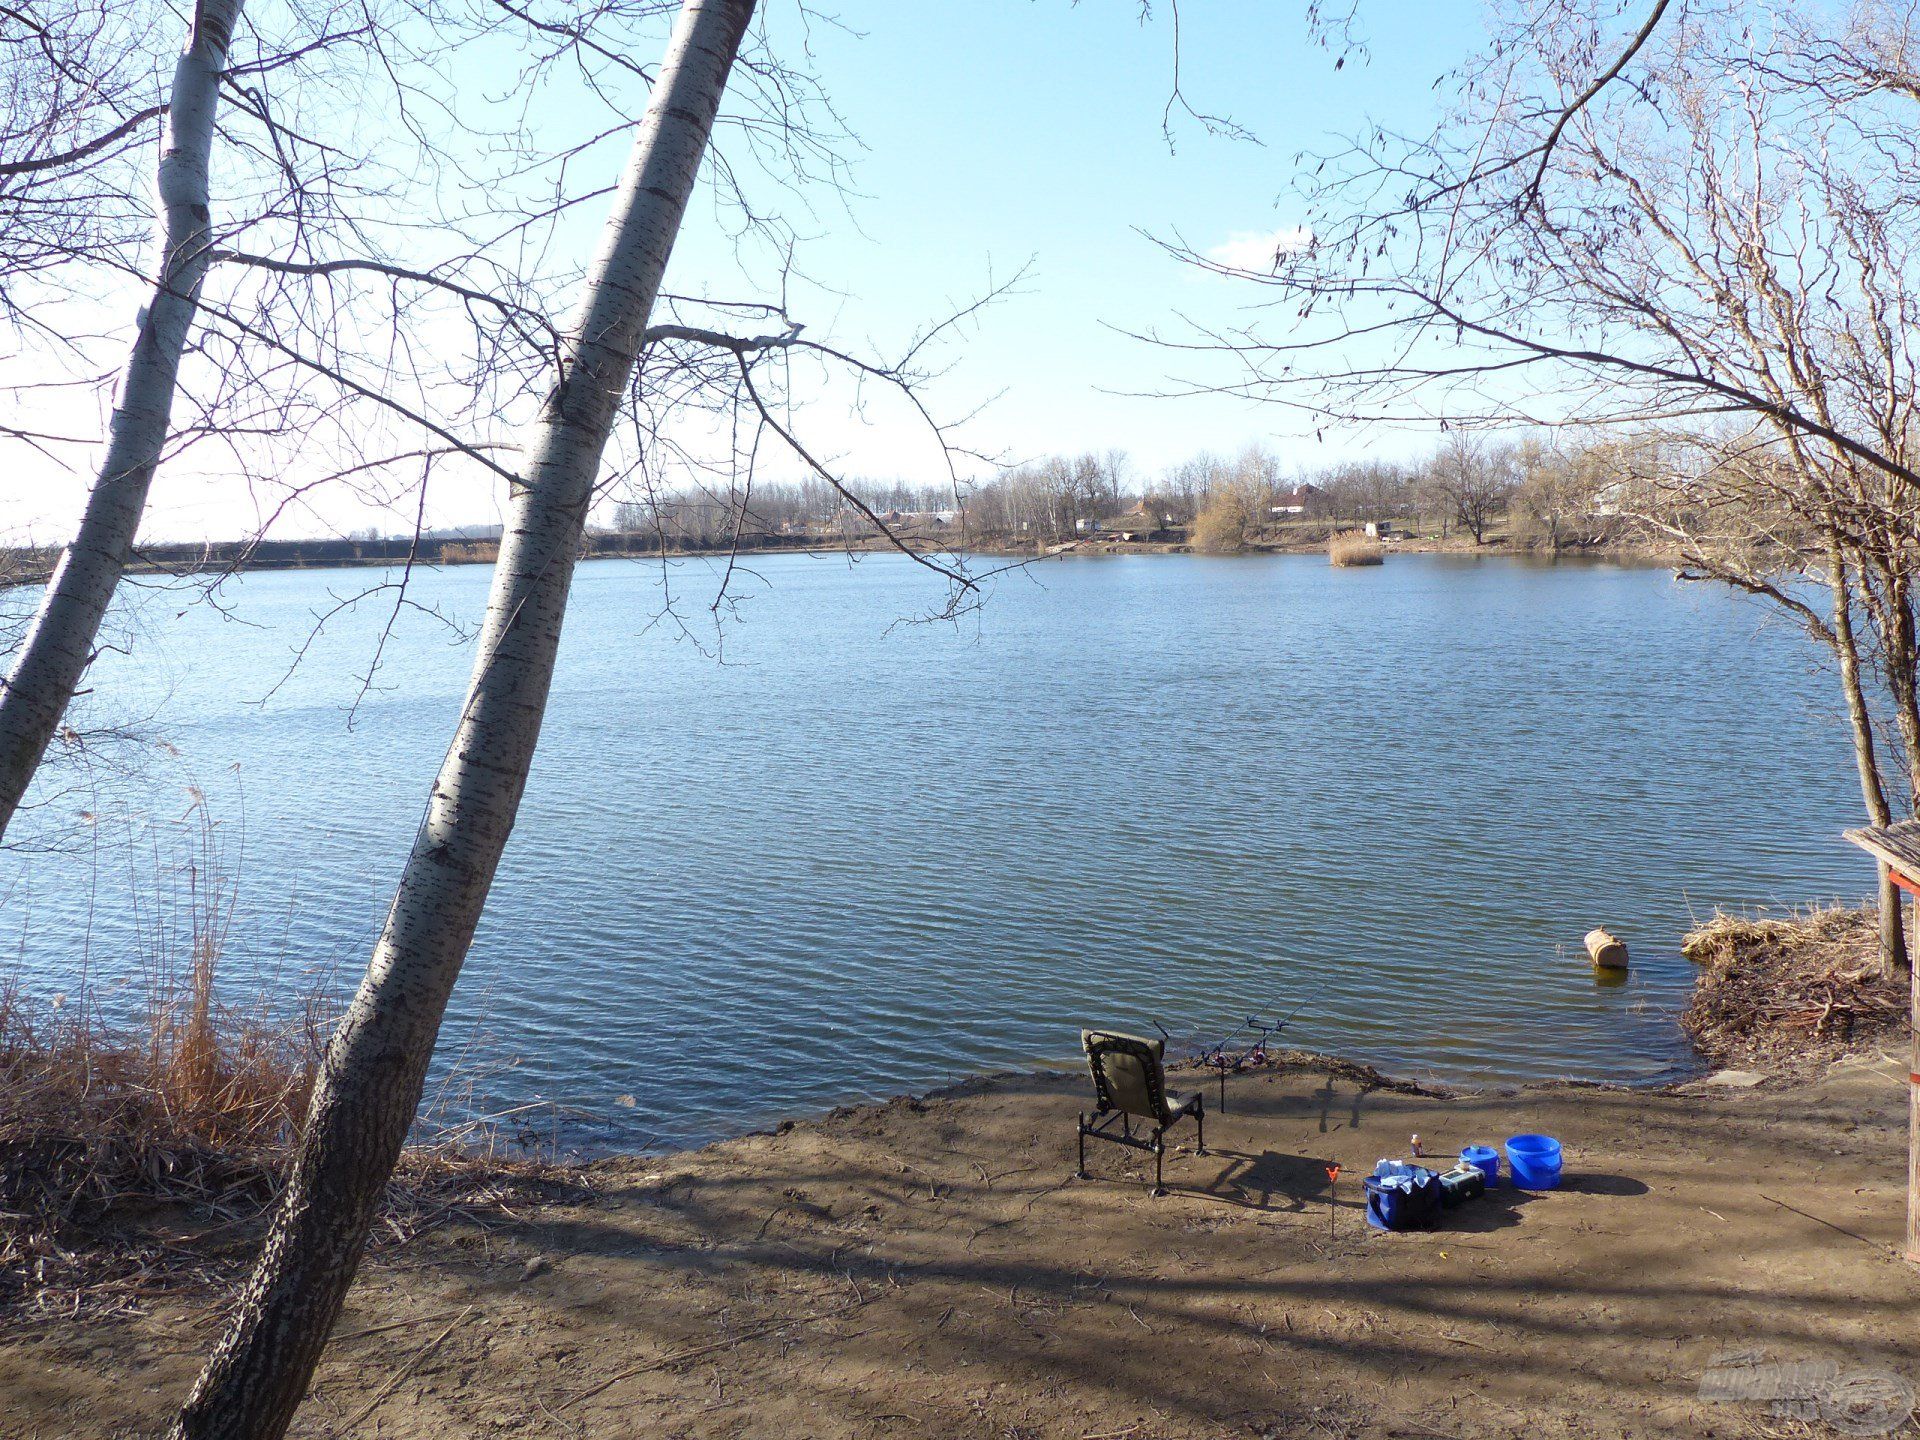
1609,500
1295,501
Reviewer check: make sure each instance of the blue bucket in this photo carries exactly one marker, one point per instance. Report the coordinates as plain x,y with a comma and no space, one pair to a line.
1535,1160
1486,1159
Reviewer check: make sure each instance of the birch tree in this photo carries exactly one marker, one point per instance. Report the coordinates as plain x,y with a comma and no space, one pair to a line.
370,1083
59,644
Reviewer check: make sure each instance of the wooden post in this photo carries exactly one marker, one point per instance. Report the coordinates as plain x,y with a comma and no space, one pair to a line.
1897,847
1913,1093
1913,1118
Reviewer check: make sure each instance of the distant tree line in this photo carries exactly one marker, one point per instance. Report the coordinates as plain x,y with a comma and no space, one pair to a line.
1546,494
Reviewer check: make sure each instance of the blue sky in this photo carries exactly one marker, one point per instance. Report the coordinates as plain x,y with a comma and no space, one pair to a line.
998,134
1009,131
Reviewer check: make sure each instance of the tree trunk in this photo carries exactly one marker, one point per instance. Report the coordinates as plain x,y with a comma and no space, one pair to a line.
1893,942
60,643
370,1083
1901,648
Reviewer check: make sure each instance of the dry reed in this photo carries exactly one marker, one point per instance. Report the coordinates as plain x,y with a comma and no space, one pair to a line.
1355,547
131,1136
98,1121
1793,990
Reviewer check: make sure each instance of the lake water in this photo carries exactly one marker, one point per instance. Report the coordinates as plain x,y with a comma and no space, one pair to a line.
849,857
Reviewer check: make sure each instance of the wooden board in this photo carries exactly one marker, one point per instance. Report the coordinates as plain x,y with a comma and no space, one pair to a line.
1896,845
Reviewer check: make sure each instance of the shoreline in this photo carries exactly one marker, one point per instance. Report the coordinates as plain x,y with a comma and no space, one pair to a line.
182,560
929,1266
932,1264
1192,1075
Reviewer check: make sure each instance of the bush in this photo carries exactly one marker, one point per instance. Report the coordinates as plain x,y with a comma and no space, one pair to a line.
1225,524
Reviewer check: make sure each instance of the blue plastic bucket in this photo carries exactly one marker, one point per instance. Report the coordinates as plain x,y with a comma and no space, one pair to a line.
1486,1159
1535,1160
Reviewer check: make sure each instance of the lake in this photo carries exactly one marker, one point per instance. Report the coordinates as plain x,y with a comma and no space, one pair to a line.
813,854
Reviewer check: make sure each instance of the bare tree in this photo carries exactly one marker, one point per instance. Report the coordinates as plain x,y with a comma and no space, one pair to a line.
612,363
1558,492
370,1085
1715,218
79,102
59,645
1471,482
1741,514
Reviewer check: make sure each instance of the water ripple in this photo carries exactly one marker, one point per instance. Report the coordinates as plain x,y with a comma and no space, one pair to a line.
859,859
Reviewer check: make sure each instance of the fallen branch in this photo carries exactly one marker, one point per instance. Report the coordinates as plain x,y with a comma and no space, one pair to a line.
1850,1234
397,1325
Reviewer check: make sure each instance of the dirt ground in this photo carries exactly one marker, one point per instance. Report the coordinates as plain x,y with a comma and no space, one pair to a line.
929,1268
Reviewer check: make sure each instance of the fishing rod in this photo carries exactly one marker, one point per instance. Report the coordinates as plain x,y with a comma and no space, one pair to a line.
1260,1020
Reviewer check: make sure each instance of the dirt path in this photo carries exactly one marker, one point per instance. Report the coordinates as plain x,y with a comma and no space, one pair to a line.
928,1268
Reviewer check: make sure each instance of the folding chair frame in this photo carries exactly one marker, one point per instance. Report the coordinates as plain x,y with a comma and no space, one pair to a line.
1100,1124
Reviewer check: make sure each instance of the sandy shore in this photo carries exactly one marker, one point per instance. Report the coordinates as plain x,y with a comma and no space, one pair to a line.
929,1267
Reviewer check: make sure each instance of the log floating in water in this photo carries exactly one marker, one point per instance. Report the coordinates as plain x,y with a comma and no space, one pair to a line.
1607,950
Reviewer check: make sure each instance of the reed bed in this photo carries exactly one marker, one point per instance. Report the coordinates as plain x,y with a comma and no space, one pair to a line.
142,1155
100,1122
1791,990
146,1126
1355,547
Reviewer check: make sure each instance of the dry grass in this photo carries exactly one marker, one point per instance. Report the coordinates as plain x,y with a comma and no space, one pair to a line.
127,1150
1355,547
99,1123
475,552
1791,991
133,1135
146,1127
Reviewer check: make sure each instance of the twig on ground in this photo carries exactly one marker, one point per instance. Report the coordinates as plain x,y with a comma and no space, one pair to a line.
752,1332
412,1365
1850,1234
397,1325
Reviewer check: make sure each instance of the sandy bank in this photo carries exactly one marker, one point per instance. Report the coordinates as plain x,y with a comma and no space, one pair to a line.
928,1267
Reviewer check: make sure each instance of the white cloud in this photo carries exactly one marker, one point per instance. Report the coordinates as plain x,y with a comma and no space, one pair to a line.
1259,249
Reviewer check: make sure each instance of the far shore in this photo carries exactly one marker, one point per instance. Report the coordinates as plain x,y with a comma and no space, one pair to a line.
33,567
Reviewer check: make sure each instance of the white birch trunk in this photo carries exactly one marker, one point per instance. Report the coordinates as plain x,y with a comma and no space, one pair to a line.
370,1083
60,643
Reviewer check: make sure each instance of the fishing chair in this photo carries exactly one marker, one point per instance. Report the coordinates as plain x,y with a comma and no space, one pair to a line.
1130,1083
